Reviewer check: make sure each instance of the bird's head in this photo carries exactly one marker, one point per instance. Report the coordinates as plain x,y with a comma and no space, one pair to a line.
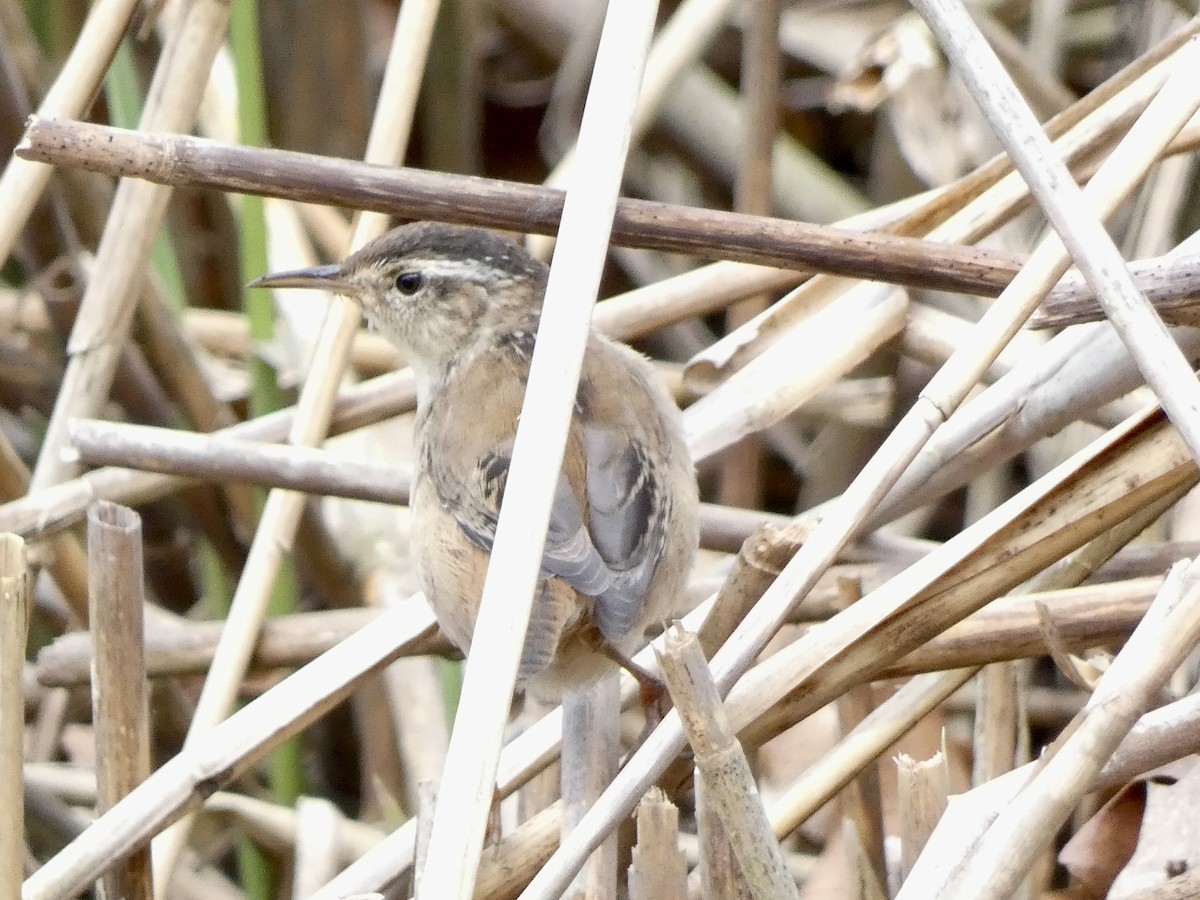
433,289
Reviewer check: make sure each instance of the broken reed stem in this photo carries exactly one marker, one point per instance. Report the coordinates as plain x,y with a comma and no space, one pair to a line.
120,709
886,724
922,789
1070,570
181,784
1027,825
728,782
14,626
516,207
658,869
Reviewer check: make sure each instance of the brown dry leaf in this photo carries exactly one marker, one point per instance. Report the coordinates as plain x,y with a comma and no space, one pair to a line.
1100,849
1170,838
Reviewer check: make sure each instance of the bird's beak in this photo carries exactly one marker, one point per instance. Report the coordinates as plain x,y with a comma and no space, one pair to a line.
322,278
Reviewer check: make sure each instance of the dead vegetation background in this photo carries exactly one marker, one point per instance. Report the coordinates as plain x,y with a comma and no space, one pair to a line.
948,587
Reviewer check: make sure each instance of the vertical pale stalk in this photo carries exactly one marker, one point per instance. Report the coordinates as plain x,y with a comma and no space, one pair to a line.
14,624
120,709
741,463
591,750
471,761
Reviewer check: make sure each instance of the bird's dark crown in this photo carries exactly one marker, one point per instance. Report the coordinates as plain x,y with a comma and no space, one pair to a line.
424,241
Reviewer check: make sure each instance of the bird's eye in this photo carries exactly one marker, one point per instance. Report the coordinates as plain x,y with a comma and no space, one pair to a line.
409,282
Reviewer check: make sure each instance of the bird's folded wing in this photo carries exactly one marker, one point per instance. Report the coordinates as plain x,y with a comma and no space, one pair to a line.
627,516
610,555
569,552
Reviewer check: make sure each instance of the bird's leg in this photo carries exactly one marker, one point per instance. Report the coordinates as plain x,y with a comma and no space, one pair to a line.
652,693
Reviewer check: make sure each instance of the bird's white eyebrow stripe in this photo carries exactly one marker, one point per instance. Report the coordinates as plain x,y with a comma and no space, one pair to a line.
469,269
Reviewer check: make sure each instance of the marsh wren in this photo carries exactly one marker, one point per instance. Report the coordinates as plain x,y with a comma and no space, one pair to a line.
463,306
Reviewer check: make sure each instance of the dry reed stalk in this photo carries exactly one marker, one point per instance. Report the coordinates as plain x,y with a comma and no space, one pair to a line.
768,343
857,642
728,783
1009,628
832,343
973,207
1072,212
913,701
741,466
278,827
490,672
414,701
120,709
1006,629
862,810
281,513
523,757
181,784
15,606
229,459
67,563
1060,383
504,872
1169,282
922,789
76,85
590,757
227,333
317,855
176,365
996,732
102,326
1004,853
683,38
949,387
186,648
1045,94
658,870
1069,571
426,802
886,724
717,873
932,335
52,509
220,458
1157,738
512,206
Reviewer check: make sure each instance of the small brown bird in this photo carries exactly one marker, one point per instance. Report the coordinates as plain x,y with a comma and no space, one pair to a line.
463,306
